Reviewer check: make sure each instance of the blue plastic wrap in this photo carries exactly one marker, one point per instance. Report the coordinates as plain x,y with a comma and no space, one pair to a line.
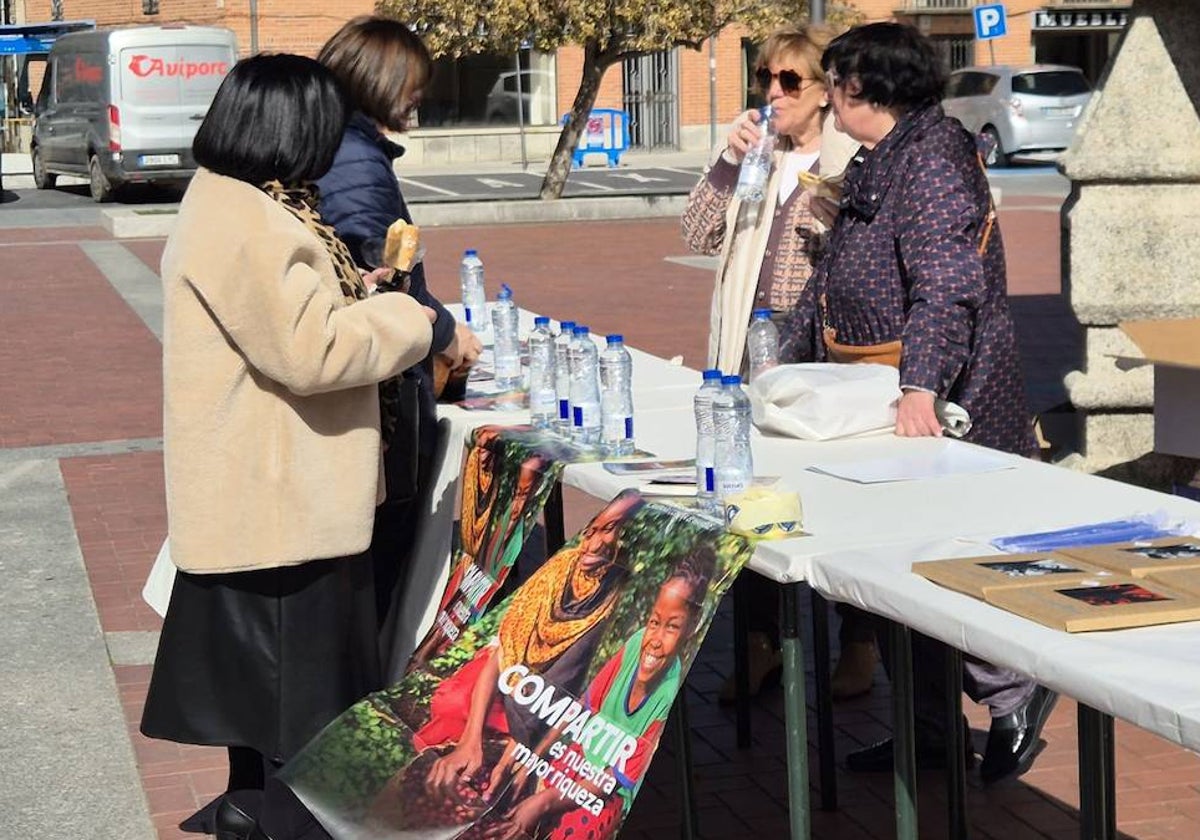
1141,527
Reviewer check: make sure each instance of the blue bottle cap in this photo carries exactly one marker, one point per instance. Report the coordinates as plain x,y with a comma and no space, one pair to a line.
505,292
732,379
761,314
581,330
470,252
615,338
566,326
712,374
541,321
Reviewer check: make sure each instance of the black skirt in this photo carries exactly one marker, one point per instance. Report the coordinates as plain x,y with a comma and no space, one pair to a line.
264,659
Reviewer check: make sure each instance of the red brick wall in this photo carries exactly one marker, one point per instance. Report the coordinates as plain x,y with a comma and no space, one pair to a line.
298,26
303,25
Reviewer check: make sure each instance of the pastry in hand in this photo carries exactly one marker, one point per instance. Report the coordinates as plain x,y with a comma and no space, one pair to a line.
400,248
821,186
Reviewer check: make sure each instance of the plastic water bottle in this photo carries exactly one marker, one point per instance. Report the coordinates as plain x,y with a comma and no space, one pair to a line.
507,348
756,166
562,376
616,398
762,343
585,388
474,297
731,420
543,396
702,403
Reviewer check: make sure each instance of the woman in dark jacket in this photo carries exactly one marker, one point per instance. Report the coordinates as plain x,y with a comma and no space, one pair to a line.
383,67
915,265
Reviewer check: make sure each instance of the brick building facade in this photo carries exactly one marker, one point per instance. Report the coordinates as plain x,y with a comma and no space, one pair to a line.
673,103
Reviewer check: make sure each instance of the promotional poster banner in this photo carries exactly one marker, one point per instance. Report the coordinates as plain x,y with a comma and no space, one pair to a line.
507,475
541,718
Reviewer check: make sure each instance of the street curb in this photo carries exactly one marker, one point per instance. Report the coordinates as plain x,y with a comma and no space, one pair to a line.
151,221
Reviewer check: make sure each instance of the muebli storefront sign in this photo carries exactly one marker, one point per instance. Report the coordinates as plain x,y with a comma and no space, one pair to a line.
540,719
1054,19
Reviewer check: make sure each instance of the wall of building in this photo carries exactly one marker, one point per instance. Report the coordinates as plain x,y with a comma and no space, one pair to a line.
302,26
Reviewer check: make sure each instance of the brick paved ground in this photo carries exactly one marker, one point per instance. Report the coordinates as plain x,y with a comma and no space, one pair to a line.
80,367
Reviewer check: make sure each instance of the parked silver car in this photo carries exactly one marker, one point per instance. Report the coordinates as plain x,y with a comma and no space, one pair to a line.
1020,110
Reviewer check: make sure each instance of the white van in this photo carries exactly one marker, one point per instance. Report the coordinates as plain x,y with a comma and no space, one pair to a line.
123,105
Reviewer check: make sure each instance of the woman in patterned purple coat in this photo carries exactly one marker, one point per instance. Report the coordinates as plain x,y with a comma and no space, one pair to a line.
915,256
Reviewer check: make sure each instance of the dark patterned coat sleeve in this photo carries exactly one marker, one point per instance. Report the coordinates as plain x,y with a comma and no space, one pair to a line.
938,226
797,335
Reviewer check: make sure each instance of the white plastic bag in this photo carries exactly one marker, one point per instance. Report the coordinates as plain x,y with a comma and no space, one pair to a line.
823,401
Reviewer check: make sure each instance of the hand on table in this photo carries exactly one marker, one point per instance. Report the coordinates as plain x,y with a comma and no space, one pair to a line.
469,345
915,416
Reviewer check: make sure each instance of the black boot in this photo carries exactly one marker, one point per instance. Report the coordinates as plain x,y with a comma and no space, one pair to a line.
1014,740
237,814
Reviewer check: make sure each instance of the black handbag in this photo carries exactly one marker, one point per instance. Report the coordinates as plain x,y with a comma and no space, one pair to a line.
400,457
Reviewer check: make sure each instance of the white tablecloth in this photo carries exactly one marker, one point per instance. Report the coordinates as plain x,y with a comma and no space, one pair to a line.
864,539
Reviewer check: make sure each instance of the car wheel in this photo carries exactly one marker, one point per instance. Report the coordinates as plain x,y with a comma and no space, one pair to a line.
98,182
42,179
997,157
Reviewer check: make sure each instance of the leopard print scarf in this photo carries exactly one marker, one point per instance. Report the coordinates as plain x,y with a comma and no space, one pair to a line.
302,202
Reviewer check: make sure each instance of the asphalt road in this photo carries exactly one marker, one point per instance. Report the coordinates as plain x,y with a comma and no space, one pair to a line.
509,185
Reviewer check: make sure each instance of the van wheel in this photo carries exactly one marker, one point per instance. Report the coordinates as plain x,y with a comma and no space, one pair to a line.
42,179
997,157
98,183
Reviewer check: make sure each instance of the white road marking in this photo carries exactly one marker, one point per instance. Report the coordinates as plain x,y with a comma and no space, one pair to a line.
640,178
594,186
425,186
497,184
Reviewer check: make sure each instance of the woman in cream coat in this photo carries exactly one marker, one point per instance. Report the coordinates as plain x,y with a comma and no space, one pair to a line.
767,253
277,374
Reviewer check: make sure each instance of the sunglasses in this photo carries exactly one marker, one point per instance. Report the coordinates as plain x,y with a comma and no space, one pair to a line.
790,81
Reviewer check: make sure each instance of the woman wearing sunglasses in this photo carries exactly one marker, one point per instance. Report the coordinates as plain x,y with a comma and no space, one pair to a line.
767,253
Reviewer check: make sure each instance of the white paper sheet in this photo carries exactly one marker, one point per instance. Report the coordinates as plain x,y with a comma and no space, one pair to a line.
937,462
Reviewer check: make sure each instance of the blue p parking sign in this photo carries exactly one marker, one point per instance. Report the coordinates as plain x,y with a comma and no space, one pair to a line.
990,22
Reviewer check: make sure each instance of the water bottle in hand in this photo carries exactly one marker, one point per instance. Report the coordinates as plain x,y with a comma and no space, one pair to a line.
702,403
562,376
762,343
616,398
543,398
585,388
507,350
732,422
474,297
756,166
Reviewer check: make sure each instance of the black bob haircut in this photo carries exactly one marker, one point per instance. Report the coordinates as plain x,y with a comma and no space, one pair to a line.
887,64
275,117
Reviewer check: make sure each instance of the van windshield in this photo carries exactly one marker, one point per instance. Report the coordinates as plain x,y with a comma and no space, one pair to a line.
179,74
1051,83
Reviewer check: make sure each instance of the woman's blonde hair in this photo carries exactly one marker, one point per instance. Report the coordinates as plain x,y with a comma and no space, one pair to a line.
800,47
383,66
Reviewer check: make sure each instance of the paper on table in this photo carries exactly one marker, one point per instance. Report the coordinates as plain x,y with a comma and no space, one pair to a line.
941,461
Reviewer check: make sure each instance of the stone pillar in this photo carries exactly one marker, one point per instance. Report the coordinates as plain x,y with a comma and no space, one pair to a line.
1132,231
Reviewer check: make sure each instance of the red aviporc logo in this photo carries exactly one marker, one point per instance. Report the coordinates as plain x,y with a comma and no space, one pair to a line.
143,66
